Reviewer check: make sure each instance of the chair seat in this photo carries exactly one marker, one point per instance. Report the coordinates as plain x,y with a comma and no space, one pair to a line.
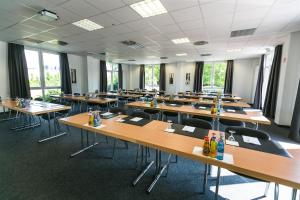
228,122
171,114
151,111
209,119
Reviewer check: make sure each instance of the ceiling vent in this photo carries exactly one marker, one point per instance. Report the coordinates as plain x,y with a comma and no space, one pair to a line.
199,43
33,40
131,60
163,57
58,42
244,32
132,44
206,54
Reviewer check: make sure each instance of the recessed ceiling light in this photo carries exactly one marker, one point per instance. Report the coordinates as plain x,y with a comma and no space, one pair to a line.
181,54
181,40
234,50
148,8
198,43
87,25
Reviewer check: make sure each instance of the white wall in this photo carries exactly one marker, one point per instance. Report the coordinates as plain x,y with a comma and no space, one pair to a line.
134,76
289,78
80,64
126,76
4,80
93,72
245,77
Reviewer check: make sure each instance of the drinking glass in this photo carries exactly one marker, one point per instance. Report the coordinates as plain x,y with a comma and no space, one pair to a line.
231,138
169,124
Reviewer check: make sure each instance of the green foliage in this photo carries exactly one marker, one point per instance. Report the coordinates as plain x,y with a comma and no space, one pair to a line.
52,79
219,70
152,83
207,74
50,92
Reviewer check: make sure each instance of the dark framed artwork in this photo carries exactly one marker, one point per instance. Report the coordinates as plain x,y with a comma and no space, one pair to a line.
171,78
73,76
187,78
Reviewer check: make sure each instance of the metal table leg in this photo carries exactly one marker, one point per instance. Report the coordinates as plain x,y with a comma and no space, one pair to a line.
276,191
217,184
294,194
88,146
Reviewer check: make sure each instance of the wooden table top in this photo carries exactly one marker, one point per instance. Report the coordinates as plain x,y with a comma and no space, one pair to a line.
35,107
120,95
250,116
269,167
207,102
90,100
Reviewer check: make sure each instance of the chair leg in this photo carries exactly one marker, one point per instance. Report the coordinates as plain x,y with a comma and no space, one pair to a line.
106,138
267,189
276,191
114,148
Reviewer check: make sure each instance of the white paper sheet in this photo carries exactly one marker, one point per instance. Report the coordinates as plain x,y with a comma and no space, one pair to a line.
202,107
172,104
228,158
136,119
197,150
188,129
120,120
257,118
98,127
230,110
232,143
106,114
251,140
169,130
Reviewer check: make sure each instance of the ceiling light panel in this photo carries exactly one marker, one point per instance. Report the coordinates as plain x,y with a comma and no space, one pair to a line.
87,25
181,40
234,50
148,8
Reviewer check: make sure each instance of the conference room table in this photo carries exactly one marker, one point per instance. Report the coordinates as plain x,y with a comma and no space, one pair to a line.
240,104
248,115
124,95
152,134
35,108
80,100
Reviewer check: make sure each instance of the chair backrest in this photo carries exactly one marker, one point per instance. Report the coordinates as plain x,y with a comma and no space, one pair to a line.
117,110
227,99
76,94
96,91
199,123
140,114
249,132
38,99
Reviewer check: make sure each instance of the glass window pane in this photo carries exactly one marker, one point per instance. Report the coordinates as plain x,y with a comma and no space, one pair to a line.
207,74
156,77
115,67
51,70
115,81
219,75
109,83
36,93
32,59
108,66
148,77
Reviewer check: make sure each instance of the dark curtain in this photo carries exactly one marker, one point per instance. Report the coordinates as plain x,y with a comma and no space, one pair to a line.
295,125
198,76
103,76
142,77
66,86
228,77
260,80
272,89
162,77
120,74
18,73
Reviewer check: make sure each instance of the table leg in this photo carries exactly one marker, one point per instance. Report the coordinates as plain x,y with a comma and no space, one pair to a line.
88,146
276,191
294,194
217,184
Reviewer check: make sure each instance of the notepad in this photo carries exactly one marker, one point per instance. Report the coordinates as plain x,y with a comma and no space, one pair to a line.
172,104
197,150
120,120
136,119
202,107
107,114
232,143
251,140
190,129
170,130
257,118
228,158
98,127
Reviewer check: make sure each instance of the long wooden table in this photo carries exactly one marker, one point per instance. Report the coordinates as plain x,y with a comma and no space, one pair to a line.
207,102
265,166
125,95
250,116
36,108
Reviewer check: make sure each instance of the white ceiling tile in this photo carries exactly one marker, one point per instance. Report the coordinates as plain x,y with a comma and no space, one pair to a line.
67,30
40,4
221,7
192,13
246,24
104,20
129,2
172,5
138,25
160,20
170,28
124,14
37,25
65,16
105,5
81,8
190,25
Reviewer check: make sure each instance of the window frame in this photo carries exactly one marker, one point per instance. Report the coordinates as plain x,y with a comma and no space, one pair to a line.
212,77
43,86
112,71
152,75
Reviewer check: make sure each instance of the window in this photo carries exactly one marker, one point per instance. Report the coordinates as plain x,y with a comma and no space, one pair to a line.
152,77
214,76
267,69
112,76
43,72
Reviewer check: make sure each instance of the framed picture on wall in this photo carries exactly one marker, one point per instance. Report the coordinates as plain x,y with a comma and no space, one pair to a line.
171,78
187,78
73,76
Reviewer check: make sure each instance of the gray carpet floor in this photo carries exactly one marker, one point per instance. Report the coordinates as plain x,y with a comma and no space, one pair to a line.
29,170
